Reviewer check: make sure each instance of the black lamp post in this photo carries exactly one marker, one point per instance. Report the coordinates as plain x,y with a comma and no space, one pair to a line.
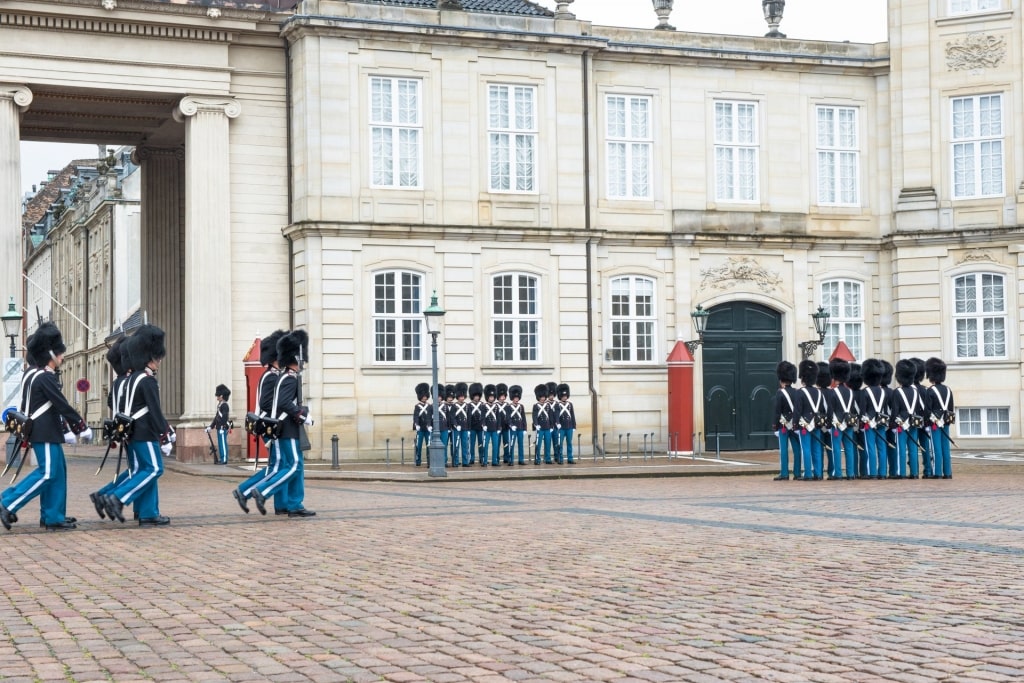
12,325
435,450
700,323
821,327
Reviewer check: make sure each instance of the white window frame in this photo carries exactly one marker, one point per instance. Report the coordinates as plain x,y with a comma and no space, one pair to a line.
973,6
512,138
977,146
629,146
838,155
988,325
733,141
396,132
986,420
519,318
846,319
632,334
405,319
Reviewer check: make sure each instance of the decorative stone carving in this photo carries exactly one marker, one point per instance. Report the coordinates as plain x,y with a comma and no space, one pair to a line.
975,51
213,13
109,4
737,270
19,94
976,256
192,105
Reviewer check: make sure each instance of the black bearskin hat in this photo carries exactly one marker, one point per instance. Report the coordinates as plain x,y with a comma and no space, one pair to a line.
291,347
552,389
905,371
45,344
449,391
114,357
222,391
28,357
808,371
460,390
786,372
440,392
563,390
515,391
935,368
824,380
840,370
422,390
489,391
127,359
268,347
475,389
146,344
540,391
856,380
873,371
887,370
501,389
919,367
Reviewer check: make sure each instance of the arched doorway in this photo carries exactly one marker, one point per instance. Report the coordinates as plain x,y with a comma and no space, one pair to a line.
742,346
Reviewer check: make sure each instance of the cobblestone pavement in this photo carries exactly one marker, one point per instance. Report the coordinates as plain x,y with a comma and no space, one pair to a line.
710,578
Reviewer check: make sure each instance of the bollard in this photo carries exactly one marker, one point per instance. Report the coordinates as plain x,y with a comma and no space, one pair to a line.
403,451
627,445
643,453
652,445
620,447
579,445
718,443
387,452
693,455
604,445
334,452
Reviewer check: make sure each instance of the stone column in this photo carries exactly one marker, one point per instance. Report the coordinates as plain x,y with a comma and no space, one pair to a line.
14,99
207,277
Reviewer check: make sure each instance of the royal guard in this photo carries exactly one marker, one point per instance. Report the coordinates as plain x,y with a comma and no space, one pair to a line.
903,409
856,384
843,419
261,407
786,408
442,416
890,443
43,404
808,421
501,393
515,421
542,424
118,362
874,416
448,433
476,423
941,413
458,420
150,437
565,423
921,430
221,423
422,419
824,419
552,397
491,426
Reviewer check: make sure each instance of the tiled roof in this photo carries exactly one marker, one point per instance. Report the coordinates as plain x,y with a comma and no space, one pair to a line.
135,320
519,7
36,207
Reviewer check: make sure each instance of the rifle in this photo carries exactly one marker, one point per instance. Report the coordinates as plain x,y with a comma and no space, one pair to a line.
213,449
849,437
942,431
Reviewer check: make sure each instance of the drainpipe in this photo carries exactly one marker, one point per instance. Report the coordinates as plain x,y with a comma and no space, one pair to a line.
591,359
288,143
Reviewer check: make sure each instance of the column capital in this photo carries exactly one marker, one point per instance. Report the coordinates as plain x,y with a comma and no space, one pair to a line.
143,153
19,94
190,105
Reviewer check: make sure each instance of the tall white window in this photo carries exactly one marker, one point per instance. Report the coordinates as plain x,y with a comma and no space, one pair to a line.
629,147
979,314
397,317
838,156
977,146
736,151
396,132
632,319
516,317
983,421
844,301
967,6
512,137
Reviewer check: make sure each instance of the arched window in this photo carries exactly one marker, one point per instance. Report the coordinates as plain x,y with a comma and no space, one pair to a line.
844,301
979,313
632,320
515,317
397,317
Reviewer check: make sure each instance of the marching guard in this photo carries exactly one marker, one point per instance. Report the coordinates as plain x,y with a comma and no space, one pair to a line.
221,423
119,359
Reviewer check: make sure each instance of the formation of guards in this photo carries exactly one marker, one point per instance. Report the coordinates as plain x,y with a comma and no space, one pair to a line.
845,422
489,428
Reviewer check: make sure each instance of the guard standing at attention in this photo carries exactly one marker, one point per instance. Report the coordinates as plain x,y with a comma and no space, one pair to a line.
221,423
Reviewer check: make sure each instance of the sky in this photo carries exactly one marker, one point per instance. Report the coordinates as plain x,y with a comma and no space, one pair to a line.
862,21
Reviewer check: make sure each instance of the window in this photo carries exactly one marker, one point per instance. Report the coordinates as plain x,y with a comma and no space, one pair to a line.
632,320
512,137
843,299
983,421
980,315
516,318
968,6
397,317
396,132
838,156
977,146
629,147
736,151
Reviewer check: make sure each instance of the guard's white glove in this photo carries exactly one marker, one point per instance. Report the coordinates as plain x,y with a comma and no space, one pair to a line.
308,421
513,428
430,428
166,448
458,429
69,437
85,435
172,435
207,430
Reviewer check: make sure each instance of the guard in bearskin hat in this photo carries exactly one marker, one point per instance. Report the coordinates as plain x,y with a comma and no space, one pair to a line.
220,423
292,353
515,423
422,419
458,420
786,408
842,419
262,407
44,405
921,431
116,358
875,418
903,409
542,422
501,398
151,437
940,413
565,424
476,423
491,427
442,416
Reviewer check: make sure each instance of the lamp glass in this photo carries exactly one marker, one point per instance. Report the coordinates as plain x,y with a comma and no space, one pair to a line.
11,319
820,321
432,315
700,320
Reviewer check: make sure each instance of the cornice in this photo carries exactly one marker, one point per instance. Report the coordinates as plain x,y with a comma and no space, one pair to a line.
461,233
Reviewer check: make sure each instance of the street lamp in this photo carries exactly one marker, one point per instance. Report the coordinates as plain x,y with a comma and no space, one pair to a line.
820,326
435,450
700,323
12,325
